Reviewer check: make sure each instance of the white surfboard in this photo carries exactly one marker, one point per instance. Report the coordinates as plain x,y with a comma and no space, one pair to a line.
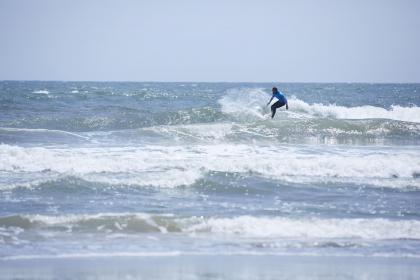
275,99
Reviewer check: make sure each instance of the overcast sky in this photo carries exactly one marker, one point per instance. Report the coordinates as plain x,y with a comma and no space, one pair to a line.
211,40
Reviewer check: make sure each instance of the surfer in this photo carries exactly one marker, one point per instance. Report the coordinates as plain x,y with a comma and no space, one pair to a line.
281,101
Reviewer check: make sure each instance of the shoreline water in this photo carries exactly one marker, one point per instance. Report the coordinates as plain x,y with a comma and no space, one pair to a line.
213,267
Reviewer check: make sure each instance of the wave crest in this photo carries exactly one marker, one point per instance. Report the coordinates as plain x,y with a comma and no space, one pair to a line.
399,113
251,102
245,226
180,165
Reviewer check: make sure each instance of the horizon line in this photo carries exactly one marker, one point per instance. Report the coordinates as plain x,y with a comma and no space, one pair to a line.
203,82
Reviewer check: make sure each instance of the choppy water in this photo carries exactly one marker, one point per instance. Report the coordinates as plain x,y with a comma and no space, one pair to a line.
161,169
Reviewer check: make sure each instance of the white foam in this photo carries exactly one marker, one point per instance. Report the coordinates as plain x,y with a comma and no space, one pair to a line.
248,102
183,165
251,102
69,219
278,227
259,227
41,91
408,114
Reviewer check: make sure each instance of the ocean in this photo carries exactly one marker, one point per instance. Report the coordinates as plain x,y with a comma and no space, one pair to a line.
196,181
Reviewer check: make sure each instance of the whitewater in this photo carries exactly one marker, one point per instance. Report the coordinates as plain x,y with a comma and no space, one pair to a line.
188,169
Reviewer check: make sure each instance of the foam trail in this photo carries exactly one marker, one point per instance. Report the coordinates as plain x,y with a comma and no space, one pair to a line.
399,113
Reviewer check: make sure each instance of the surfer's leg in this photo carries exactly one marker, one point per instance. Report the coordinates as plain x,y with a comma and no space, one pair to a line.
274,107
273,111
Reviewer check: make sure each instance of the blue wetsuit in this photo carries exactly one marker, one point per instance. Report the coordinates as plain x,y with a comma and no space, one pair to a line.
280,97
280,103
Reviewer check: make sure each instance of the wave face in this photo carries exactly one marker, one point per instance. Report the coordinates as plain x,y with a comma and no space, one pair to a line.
162,169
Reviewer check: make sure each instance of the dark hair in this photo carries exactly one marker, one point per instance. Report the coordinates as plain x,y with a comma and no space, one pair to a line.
275,89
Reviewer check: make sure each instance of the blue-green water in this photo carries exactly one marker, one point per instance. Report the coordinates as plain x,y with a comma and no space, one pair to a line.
162,169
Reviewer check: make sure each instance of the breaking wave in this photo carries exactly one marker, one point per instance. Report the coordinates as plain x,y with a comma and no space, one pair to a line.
251,102
245,226
399,113
183,165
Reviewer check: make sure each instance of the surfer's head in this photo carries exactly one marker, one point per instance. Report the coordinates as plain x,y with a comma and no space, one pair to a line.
275,90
